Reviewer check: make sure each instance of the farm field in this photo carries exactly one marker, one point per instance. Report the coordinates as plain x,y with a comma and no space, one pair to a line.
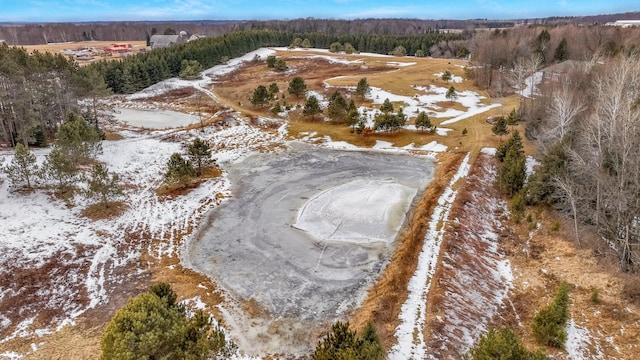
277,246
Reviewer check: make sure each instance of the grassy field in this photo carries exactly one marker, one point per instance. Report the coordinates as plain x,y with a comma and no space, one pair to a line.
392,74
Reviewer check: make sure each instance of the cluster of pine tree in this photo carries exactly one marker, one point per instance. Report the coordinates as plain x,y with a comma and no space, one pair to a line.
153,325
37,90
78,143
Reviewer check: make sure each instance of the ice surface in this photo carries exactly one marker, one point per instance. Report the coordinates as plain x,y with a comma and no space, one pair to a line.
155,119
361,211
251,249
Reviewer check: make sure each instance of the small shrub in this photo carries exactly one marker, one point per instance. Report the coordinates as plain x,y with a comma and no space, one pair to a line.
465,131
502,344
595,296
555,227
517,206
548,324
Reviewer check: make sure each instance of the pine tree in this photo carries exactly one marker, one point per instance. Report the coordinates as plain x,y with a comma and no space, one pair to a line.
179,170
311,107
271,61
337,109
363,88
297,86
103,185
386,106
344,344
451,93
154,326
23,168
515,141
502,344
423,122
77,139
260,96
60,169
199,154
548,324
513,172
500,126
274,90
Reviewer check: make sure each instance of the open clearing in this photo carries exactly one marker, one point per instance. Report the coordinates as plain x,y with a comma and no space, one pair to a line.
273,258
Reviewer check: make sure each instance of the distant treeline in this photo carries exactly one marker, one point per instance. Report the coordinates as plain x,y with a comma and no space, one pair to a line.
29,34
137,72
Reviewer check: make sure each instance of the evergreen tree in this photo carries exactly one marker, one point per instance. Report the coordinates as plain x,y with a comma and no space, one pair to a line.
306,43
451,93
502,344
548,324
271,61
500,126
190,69
363,88
337,109
77,139
179,170
446,76
344,344
513,118
399,51
336,47
352,118
311,107
280,65
23,168
561,52
274,90
154,326
200,155
423,122
513,172
276,109
260,96
349,49
515,141
103,185
386,106
60,169
297,87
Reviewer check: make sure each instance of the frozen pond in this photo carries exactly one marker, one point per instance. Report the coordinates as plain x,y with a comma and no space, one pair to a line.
154,119
350,205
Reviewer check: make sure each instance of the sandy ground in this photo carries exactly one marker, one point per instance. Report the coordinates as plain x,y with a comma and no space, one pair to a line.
251,249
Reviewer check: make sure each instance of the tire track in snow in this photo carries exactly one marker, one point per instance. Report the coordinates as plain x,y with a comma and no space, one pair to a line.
410,333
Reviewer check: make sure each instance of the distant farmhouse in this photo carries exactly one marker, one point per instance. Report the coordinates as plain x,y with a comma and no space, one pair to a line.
163,41
625,23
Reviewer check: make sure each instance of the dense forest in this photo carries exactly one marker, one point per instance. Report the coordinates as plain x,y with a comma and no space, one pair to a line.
138,72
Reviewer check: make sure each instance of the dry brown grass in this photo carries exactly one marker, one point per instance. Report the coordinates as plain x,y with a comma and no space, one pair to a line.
384,299
171,191
112,136
99,211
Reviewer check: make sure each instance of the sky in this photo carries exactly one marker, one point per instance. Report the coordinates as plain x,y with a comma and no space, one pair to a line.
111,10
